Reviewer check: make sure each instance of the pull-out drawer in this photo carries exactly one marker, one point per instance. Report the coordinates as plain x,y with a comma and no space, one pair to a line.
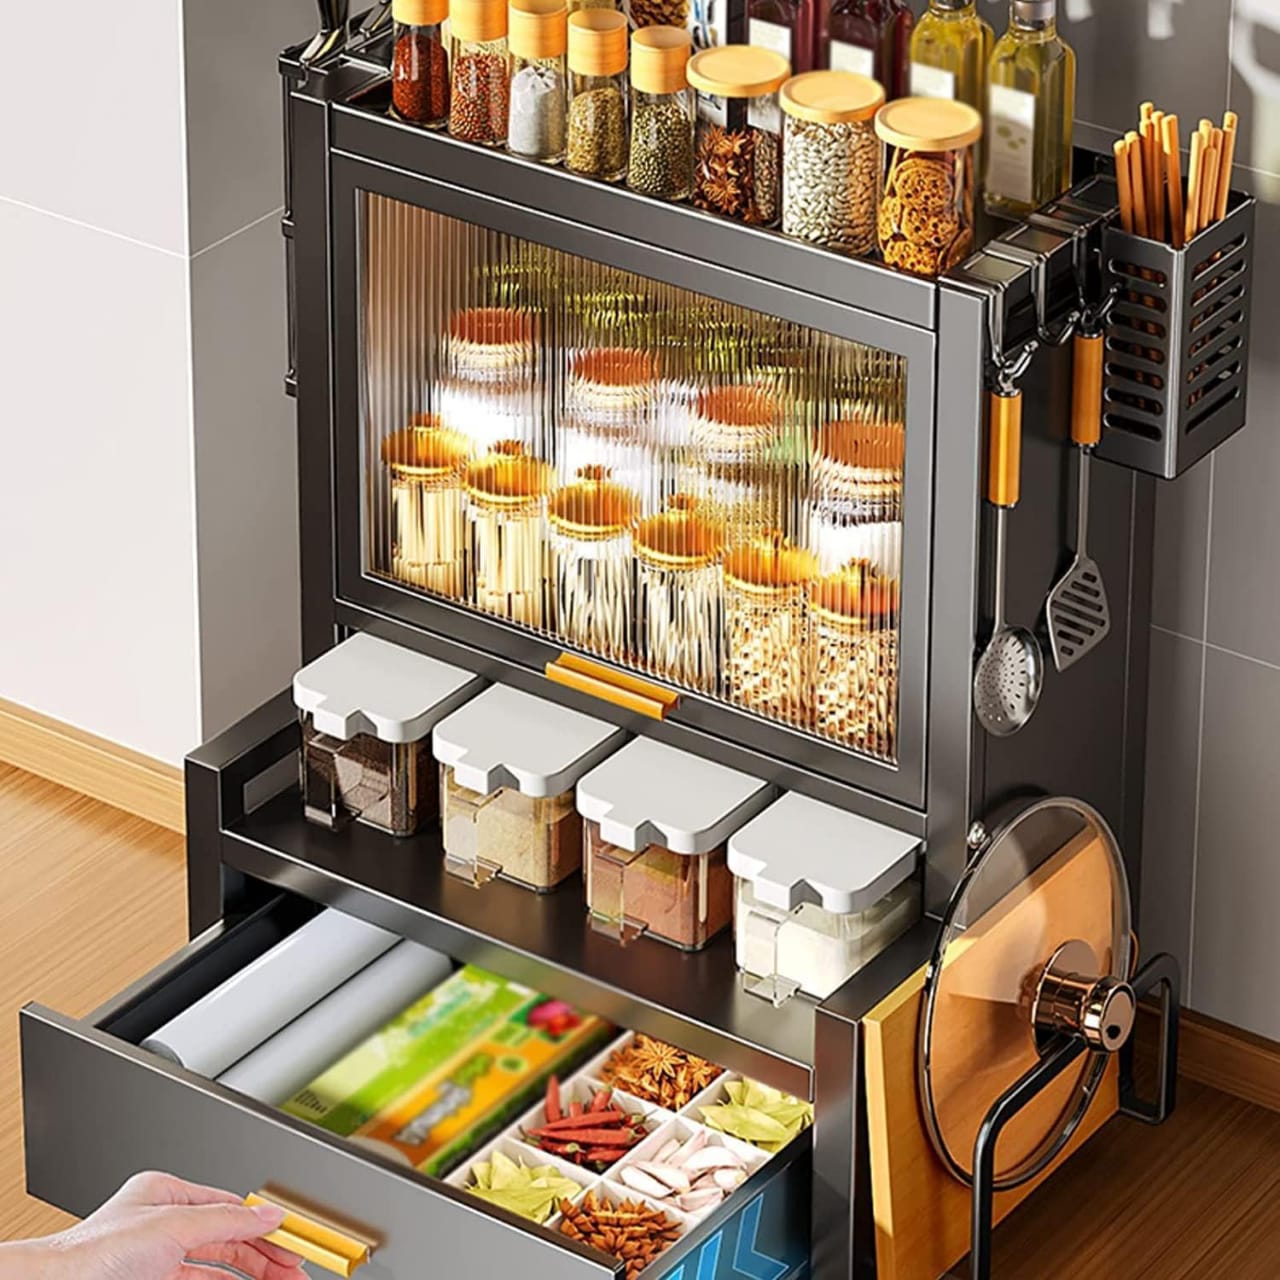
99,1109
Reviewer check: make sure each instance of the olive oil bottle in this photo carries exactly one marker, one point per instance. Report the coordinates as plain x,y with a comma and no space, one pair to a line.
949,53
1031,98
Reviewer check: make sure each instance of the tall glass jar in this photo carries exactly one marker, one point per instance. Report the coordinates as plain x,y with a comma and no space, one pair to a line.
738,159
597,136
733,437
926,220
872,38
785,27
591,522
538,38
427,463
764,595
678,593
506,525
480,77
662,114
420,63
831,159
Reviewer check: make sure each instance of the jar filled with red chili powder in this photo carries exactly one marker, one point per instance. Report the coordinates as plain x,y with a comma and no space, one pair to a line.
420,65
478,60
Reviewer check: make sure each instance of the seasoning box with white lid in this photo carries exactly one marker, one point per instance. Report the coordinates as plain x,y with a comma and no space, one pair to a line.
658,823
367,709
820,893
510,765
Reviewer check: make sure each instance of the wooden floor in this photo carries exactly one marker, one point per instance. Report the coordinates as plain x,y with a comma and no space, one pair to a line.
92,898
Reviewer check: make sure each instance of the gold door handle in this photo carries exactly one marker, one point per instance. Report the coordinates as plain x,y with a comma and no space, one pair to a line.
623,690
313,1241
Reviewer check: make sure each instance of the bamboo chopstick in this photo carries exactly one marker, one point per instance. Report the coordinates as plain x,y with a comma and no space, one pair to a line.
1195,177
1137,182
1124,184
1230,124
1209,197
1170,145
1157,195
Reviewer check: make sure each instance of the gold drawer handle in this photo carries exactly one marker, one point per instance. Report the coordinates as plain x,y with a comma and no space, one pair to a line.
617,687
333,1250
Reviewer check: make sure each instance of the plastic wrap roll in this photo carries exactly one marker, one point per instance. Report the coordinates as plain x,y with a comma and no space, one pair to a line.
279,986
295,1056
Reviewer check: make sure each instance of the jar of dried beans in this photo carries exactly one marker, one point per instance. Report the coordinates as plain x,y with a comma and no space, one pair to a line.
662,114
367,709
597,136
538,37
507,536
658,821
738,163
831,159
926,219
511,762
420,63
427,463
478,105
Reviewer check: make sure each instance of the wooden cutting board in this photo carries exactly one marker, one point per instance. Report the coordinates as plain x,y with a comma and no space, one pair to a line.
922,1212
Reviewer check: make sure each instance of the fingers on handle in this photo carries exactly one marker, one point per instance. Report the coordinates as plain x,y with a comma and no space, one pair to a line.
254,1260
195,1227
164,1189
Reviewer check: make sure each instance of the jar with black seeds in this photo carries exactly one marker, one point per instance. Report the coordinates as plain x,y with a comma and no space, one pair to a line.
662,114
537,35
597,128
478,105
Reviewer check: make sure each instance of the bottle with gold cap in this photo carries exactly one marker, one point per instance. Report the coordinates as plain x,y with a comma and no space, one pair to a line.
538,37
662,113
480,80
420,63
597,134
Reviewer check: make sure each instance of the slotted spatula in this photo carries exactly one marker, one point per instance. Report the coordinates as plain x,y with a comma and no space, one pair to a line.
1076,611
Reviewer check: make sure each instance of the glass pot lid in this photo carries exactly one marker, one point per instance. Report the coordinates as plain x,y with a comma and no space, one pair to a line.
1047,889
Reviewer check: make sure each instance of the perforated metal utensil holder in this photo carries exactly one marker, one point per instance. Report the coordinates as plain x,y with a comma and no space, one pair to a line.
1177,343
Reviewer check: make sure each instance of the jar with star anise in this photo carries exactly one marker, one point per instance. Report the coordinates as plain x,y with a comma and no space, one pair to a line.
738,163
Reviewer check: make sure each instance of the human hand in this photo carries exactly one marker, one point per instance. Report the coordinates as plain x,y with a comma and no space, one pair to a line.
154,1227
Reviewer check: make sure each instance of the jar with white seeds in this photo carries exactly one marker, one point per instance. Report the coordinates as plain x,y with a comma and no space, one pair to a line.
831,159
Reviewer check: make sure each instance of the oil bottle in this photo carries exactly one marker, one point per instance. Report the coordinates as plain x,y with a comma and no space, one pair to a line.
949,53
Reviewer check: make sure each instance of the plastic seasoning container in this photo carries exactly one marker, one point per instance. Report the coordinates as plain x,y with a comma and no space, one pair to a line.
738,162
926,221
478,105
591,522
597,140
662,113
511,762
367,709
679,595
420,62
658,822
764,598
506,526
820,893
851,645
427,463
538,38
855,511
831,159
733,433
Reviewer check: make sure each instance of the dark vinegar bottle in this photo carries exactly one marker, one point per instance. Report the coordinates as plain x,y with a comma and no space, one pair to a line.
873,38
785,27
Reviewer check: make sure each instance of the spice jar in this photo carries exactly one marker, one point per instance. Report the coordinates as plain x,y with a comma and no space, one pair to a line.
420,62
812,912
678,590
662,114
851,658
597,143
511,762
734,432
427,463
367,709
663,13
506,526
478,106
764,595
831,159
657,825
855,510
927,209
538,37
591,522
738,160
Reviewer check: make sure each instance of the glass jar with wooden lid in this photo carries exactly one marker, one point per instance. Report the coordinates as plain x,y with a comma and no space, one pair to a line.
678,595
591,522
538,37
420,62
662,113
427,463
926,219
479,72
506,525
597,135
764,608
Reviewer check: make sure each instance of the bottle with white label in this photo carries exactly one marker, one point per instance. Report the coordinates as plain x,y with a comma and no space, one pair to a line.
872,38
949,53
1030,105
785,27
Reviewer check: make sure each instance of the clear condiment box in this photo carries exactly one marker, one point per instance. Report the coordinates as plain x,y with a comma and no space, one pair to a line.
510,764
658,823
367,709
820,893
